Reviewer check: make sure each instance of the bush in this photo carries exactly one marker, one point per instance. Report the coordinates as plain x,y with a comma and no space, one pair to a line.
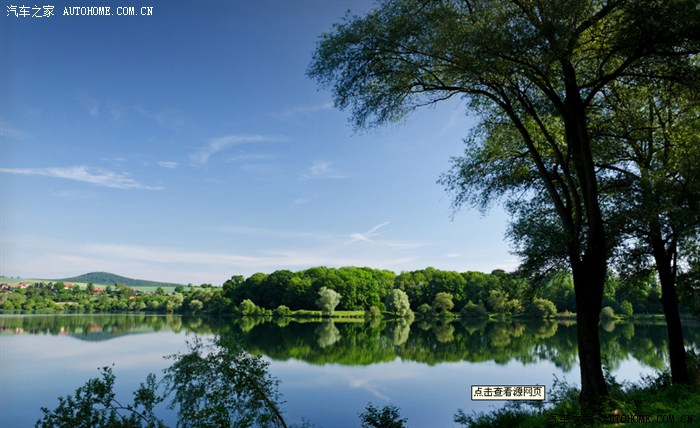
443,303
282,311
425,310
387,417
607,313
514,307
626,308
474,311
247,307
397,302
542,308
327,300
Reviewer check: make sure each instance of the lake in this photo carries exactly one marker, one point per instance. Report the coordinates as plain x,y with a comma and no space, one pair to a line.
328,371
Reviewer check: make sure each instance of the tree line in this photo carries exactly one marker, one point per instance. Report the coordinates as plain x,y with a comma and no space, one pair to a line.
427,291
53,297
362,288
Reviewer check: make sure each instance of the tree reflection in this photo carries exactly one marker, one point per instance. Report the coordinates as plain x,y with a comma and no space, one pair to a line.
217,384
401,329
327,333
424,341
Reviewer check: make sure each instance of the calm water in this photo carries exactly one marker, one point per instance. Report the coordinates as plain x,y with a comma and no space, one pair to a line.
328,371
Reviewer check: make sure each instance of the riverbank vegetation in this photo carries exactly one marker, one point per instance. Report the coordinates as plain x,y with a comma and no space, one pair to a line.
347,292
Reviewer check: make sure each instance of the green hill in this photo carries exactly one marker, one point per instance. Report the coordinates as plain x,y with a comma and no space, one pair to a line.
106,278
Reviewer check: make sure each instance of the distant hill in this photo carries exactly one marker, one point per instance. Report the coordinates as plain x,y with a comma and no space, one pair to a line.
106,278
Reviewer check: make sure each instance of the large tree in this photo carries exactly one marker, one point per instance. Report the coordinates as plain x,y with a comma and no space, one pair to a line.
541,65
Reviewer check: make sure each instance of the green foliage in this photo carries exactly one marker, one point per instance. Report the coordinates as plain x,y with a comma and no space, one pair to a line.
217,383
473,311
514,307
195,305
374,313
425,310
542,308
652,396
626,309
498,301
94,405
607,313
327,334
282,311
247,307
386,417
327,300
443,304
397,302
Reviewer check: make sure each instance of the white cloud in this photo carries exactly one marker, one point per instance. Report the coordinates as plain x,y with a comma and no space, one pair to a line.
321,170
216,145
369,235
96,176
168,164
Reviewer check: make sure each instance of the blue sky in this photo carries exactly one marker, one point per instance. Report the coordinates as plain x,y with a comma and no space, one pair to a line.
189,146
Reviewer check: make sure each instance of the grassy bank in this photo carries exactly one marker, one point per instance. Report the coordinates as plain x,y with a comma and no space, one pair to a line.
651,402
651,406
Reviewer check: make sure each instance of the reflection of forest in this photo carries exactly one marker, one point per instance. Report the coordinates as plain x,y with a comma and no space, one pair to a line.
97,327
322,342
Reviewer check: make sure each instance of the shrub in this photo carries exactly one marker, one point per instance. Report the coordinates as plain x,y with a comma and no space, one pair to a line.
397,302
514,307
542,308
282,311
443,303
626,308
387,417
327,300
607,313
473,310
425,310
247,307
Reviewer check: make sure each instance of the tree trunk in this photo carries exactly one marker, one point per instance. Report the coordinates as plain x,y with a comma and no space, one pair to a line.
590,269
669,301
588,286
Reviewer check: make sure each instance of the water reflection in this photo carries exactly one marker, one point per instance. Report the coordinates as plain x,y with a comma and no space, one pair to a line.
357,343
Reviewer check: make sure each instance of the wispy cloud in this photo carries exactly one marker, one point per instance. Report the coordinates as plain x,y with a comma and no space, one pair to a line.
169,118
96,176
276,234
7,131
90,103
168,164
274,249
369,235
248,157
219,144
321,170
305,111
